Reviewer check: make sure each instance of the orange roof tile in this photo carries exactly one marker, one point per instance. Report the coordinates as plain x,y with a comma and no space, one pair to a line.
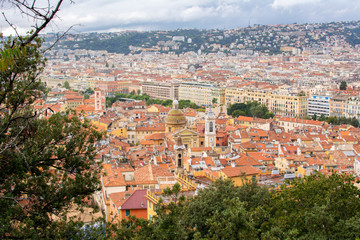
238,171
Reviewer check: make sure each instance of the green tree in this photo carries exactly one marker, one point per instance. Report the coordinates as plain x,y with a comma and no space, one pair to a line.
46,164
173,192
66,85
249,109
223,211
238,113
86,96
354,122
187,104
269,115
167,102
314,117
89,91
316,207
343,85
322,117
214,100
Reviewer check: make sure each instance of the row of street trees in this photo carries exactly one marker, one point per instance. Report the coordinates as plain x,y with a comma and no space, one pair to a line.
149,101
337,121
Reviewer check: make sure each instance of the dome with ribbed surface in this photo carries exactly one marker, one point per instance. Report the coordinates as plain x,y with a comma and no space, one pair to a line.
175,117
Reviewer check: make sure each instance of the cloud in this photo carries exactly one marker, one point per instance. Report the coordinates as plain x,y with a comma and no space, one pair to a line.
114,15
292,3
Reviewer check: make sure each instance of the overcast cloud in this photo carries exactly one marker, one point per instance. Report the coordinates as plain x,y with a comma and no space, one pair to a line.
116,15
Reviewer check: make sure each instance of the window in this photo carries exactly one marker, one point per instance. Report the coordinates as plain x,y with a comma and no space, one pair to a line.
211,127
127,212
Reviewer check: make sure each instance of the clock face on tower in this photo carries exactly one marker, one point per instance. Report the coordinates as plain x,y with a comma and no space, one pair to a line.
211,139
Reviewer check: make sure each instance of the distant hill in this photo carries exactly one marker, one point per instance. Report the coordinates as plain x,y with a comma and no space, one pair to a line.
269,39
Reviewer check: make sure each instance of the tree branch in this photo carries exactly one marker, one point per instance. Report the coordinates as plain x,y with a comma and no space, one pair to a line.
13,199
47,17
12,26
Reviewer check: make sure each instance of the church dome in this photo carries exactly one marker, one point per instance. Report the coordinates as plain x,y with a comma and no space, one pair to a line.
175,117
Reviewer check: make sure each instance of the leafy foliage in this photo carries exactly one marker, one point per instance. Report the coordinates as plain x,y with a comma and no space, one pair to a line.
46,163
342,120
9,57
337,121
249,109
187,104
343,85
315,207
150,101
66,85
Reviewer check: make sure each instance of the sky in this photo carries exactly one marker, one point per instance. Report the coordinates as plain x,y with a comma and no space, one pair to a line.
118,15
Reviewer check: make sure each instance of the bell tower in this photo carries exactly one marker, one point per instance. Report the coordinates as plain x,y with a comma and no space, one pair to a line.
210,130
99,106
179,151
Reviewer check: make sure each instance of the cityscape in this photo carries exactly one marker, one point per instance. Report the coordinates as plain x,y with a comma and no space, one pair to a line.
254,130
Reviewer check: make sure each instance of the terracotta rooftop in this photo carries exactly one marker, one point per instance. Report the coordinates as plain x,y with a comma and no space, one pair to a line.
238,171
120,197
137,200
112,176
151,172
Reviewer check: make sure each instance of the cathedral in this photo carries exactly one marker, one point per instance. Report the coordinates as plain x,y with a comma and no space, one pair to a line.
175,120
176,124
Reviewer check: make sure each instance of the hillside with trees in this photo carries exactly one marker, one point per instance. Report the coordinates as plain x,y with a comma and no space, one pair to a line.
258,38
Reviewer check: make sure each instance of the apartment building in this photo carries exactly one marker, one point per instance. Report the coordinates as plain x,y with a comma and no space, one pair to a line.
161,90
201,93
112,87
319,105
279,103
352,108
338,105
342,105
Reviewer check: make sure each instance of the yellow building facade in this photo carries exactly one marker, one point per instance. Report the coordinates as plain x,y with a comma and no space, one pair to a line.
279,104
120,132
240,175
